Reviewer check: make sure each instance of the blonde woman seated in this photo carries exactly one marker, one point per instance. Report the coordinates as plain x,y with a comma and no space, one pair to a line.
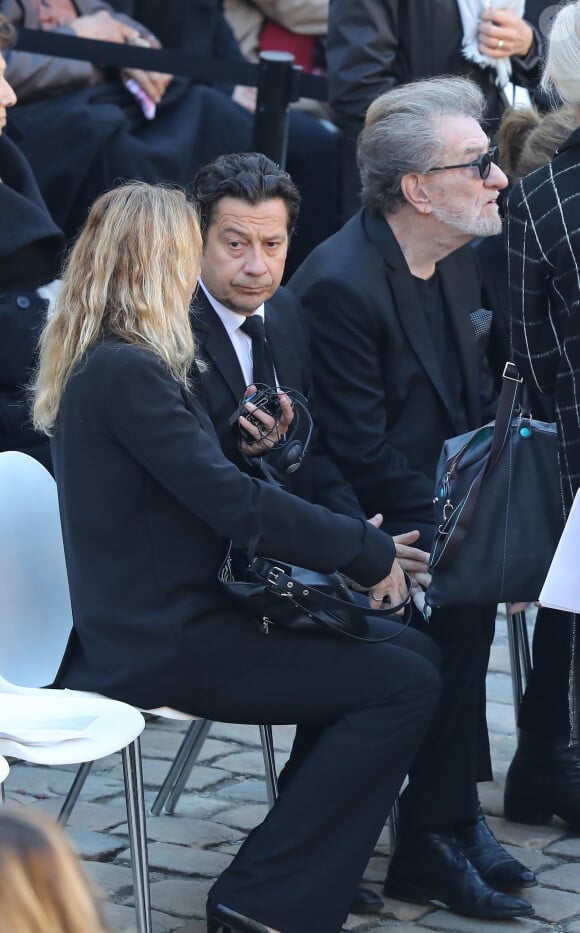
148,506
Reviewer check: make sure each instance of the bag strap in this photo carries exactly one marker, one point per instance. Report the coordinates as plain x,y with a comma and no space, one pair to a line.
279,581
461,518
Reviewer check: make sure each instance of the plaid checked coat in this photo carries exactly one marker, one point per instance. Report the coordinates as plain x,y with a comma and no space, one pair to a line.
543,239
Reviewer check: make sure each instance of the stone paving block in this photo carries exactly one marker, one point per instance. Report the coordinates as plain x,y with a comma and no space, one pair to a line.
98,847
198,926
404,910
193,803
532,858
564,877
213,749
520,834
243,817
499,687
552,904
99,817
250,763
453,923
500,718
180,830
251,790
160,743
185,860
573,927
568,848
499,659
121,919
375,872
491,797
250,735
183,899
113,880
393,926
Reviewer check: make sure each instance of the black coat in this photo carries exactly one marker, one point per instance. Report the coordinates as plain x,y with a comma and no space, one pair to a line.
383,405
30,245
222,385
148,503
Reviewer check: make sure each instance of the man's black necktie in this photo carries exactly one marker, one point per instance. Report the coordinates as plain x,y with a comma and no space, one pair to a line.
262,366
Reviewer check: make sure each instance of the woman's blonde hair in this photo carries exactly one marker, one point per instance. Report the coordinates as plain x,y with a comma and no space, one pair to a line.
130,275
562,67
42,886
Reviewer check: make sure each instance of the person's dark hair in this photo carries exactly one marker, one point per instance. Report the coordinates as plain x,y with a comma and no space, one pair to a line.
7,33
249,176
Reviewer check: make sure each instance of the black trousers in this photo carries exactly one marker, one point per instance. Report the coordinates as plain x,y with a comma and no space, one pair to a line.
361,709
454,755
545,705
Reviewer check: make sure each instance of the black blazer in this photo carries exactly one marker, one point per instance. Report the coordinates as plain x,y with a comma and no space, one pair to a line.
543,238
148,503
222,385
382,401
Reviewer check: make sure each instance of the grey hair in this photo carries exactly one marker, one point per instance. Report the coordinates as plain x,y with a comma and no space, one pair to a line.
561,76
401,135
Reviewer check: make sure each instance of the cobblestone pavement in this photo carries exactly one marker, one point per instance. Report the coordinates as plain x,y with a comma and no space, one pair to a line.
226,796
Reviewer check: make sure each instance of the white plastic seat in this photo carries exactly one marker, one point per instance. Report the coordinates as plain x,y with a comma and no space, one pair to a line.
46,726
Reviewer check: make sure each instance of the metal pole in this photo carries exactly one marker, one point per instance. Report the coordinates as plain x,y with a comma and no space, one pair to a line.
278,86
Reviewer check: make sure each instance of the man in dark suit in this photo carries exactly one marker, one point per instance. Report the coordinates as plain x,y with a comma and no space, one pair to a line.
393,301
248,209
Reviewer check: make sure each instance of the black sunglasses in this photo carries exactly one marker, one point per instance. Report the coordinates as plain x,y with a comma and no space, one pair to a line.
483,163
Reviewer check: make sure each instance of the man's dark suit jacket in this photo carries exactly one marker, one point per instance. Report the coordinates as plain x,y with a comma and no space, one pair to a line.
222,384
148,503
382,401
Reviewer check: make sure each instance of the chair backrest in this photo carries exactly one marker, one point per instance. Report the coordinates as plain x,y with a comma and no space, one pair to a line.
35,612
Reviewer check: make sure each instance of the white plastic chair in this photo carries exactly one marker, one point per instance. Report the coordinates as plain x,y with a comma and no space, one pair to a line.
4,770
44,726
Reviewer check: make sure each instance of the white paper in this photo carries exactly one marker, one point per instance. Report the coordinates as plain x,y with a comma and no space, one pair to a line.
45,731
561,589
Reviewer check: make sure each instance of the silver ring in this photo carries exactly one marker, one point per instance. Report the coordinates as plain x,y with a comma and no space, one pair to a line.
376,599
500,44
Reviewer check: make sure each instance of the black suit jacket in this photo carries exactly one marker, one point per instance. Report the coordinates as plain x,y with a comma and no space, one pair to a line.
222,385
382,401
148,502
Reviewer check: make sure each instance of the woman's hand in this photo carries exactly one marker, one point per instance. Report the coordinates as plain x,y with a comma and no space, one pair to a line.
270,430
390,591
413,560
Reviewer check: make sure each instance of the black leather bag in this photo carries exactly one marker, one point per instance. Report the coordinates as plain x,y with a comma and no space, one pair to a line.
279,594
498,508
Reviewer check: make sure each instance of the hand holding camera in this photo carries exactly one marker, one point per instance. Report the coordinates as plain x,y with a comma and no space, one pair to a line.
263,419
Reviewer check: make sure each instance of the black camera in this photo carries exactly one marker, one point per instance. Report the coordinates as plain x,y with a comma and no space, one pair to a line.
265,399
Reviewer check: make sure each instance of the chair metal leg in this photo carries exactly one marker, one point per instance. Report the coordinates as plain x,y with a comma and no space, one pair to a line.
137,834
172,787
74,792
3,793
394,828
520,656
269,764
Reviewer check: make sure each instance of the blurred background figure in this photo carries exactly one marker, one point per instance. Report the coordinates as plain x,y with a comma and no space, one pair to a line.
42,885
543,236
30,244
375,44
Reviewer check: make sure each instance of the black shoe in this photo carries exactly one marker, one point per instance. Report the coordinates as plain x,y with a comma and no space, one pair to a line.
543,780
432,867
366,901
494,864
220,917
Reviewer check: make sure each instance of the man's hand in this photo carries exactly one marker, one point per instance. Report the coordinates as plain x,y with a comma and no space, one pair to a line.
246,97
270,430
502,33
104,27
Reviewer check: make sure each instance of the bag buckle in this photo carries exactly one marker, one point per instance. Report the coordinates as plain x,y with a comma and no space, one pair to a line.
510,371
274,574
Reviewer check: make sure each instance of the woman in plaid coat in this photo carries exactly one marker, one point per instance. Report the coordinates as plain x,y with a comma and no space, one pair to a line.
543,238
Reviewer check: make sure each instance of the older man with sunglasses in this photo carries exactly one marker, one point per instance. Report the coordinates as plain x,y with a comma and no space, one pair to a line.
398,348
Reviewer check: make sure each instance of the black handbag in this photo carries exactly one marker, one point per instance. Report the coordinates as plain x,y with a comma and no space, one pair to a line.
498,508
280,594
